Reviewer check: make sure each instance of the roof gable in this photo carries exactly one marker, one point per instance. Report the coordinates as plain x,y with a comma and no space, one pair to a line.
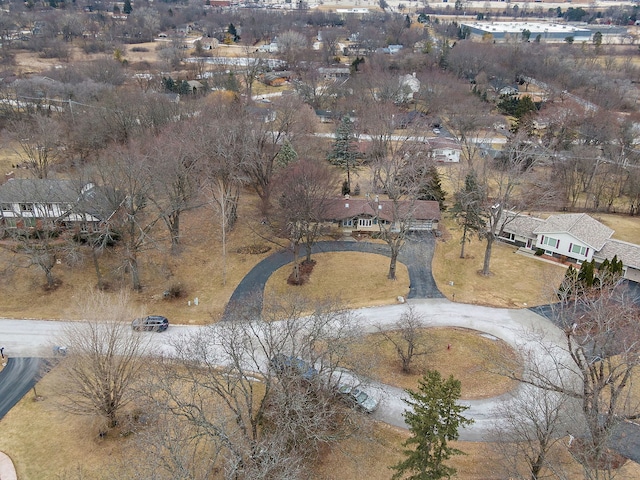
580,225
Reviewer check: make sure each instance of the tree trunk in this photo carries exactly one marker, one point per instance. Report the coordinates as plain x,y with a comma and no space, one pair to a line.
49,274
392,264
135,274
296,266
174,228
463,241
96,265
487,255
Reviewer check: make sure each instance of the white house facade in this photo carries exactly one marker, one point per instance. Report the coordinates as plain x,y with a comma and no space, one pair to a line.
574,236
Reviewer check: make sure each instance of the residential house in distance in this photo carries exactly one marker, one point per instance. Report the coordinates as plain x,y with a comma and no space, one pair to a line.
575,236
445,150
47,203
362,215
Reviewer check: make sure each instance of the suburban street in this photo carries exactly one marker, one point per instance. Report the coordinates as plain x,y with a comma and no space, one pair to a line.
36,338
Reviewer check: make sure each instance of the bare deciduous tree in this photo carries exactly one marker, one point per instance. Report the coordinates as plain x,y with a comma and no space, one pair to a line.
264,421
39,140
293,123
595,367
505,188
127,172
530,432
306,190
407,338
103,360
175,179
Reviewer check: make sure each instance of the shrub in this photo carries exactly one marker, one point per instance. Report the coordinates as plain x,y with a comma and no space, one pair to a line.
254,249
539,252
175,290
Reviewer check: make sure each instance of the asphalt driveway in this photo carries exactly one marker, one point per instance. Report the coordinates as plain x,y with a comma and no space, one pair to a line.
16,379
416,254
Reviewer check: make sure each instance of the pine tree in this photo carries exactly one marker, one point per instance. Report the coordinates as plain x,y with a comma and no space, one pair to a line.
286,155
587,273
233,32
345,150
434,420
468,211
127,8
431,188
569,283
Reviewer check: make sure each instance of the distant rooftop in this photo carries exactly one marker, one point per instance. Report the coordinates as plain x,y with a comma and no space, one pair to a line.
517,27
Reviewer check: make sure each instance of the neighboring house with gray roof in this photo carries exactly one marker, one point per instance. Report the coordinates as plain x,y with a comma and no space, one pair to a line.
629,253
576,236
518,229
48,203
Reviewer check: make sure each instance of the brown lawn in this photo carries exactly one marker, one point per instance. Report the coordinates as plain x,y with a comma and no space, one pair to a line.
516,281
47,444
354,279
469,356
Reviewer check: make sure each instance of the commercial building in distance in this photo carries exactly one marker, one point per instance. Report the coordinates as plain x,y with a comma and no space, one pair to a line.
513,32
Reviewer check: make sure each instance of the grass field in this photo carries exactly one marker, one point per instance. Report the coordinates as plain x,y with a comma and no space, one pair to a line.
460,279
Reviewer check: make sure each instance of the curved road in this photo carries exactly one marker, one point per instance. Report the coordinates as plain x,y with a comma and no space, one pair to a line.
35,338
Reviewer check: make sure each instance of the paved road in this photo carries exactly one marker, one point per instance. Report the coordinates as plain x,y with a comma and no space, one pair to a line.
416,255
16,379
512,326
509,325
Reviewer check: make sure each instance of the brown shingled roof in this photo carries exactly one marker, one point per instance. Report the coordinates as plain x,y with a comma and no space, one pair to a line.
344,208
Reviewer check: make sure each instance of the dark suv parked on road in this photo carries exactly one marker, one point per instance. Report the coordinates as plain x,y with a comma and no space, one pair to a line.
151,323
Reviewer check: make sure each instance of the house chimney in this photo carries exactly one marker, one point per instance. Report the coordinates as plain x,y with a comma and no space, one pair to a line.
346,205
377,199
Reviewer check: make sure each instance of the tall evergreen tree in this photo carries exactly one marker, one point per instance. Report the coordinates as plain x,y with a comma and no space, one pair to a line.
127,8
468,210
431,188
587,274
434,420
345,150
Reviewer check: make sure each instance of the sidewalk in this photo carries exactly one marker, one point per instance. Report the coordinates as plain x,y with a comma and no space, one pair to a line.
7,470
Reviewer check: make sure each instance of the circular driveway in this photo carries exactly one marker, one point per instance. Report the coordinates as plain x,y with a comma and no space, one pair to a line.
416,254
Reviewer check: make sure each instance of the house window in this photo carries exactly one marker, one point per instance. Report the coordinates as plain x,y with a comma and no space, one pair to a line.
364,222
347,222
553,242
26,207
579,249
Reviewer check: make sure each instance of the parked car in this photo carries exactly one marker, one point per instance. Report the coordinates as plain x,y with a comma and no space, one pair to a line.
288,363
358,397
150,323
436,131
